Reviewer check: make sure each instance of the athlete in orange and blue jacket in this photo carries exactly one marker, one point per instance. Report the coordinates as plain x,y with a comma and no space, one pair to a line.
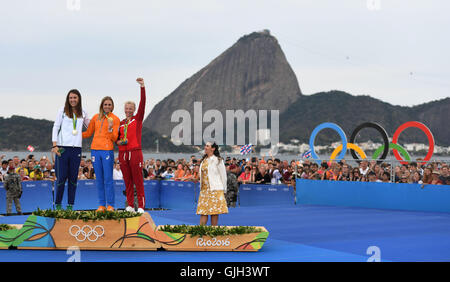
105,127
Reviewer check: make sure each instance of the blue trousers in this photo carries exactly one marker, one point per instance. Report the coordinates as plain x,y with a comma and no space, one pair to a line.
66,167
103,162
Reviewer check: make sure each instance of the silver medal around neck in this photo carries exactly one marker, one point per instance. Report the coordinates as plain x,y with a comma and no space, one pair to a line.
74,132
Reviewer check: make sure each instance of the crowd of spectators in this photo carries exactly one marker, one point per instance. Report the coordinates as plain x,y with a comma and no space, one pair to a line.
253,170
370,171
29,169
276,171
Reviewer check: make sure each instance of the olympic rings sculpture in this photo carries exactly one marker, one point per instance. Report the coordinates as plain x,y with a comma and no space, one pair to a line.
86,232
341,150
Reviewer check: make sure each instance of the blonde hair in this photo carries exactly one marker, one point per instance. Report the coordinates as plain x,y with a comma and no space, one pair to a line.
130,103
100,111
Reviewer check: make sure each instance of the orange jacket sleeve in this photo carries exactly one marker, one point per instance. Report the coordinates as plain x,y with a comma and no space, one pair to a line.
91,127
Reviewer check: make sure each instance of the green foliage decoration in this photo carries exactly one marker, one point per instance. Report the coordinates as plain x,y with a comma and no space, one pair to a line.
85,215
211,231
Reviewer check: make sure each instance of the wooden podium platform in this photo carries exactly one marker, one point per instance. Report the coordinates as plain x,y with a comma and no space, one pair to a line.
135,233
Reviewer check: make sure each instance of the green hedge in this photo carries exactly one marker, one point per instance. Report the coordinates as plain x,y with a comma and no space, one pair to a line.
85,215
4,227
211,231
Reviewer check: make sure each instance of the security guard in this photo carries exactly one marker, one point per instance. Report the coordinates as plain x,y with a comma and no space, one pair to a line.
13,187
232,186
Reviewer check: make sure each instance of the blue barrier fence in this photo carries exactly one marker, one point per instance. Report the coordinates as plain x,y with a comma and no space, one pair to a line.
152,194
184,195
158,194
265,195
395,196
119,197
178,195
86,197
35,194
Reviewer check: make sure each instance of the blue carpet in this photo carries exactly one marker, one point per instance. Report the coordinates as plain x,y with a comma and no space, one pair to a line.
299,233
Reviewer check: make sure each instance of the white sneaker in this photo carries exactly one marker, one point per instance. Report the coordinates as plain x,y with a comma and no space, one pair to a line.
130,209
140,210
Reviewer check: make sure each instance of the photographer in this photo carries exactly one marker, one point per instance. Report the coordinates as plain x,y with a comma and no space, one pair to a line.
168,174
277,172
162,168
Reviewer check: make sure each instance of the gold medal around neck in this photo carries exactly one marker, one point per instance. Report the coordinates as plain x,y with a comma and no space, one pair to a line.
74,132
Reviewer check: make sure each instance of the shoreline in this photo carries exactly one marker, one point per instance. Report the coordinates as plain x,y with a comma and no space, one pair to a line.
176,156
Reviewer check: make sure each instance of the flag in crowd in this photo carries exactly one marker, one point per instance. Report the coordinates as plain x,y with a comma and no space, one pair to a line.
30,148
246,149
307,154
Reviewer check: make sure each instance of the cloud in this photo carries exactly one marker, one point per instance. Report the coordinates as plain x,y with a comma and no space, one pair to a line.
47,49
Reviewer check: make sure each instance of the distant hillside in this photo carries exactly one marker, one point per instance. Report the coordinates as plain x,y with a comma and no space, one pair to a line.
348,111
255,74
252,74
17,132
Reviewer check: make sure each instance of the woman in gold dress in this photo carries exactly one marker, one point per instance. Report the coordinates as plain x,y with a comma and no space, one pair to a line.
213,185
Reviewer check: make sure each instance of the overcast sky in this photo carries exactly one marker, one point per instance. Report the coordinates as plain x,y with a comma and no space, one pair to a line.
396,50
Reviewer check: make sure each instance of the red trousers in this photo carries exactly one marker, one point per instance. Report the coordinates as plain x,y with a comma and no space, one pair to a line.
131,164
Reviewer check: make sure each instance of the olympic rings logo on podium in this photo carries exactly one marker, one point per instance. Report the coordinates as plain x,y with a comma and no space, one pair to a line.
383,149
86,232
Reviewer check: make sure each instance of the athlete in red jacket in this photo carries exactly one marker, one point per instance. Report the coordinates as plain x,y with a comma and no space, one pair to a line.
130,151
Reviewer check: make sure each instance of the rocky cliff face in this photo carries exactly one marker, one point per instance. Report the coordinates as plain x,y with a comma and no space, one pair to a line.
251,74
254,74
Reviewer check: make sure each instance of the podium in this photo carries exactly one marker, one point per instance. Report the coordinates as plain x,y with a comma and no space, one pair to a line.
133,233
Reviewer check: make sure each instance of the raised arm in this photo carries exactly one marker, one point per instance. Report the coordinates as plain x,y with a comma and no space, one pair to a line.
141,108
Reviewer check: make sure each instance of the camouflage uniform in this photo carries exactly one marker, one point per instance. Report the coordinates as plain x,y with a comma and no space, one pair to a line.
13,189
232,189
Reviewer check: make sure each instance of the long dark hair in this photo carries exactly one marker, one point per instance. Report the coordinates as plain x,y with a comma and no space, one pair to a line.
68,108
216,152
